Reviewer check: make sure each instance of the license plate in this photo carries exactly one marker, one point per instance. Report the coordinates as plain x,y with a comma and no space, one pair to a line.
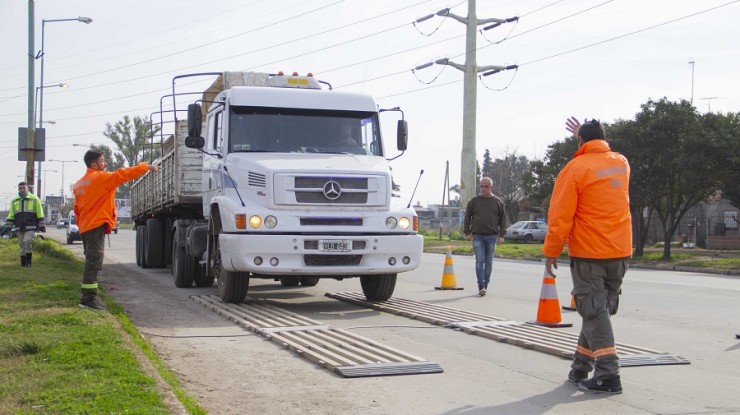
335,245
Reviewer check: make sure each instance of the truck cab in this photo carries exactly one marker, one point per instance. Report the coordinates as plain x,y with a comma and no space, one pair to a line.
295,186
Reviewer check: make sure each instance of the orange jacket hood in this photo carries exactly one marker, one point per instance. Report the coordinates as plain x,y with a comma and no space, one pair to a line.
95,195
589,208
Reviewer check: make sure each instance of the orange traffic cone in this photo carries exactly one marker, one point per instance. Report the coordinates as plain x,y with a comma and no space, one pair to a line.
572,306
548,313
449,282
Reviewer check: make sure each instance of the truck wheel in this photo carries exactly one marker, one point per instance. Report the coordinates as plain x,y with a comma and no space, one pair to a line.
184,267
233,286
154,242
202,279
290,281
378,287
167,247
138,246
309,281
144,241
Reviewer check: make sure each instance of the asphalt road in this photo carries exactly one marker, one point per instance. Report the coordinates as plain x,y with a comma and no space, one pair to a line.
230,370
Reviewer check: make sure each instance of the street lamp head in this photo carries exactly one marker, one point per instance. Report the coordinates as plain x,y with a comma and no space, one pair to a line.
63,85
85,20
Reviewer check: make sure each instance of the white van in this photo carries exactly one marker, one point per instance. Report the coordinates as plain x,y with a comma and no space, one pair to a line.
73,231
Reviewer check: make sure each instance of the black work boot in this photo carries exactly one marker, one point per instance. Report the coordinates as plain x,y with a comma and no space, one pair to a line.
28,260
23,260
610,384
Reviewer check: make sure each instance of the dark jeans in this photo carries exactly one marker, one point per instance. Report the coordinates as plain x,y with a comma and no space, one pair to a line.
596,288
93,242
484,247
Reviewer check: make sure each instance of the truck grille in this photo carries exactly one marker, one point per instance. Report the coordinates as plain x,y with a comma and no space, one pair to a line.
331,190
256,179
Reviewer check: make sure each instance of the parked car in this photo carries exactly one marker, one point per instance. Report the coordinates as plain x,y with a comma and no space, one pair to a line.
6,229
62,223
73,232
526,231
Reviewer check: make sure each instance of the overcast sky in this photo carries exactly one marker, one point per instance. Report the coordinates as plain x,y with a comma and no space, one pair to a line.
589,58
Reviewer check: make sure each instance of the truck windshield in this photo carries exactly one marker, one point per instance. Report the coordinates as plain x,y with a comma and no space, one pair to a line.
281,130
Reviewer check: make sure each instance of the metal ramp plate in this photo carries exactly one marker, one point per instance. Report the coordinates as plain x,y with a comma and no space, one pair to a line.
546,340
340,351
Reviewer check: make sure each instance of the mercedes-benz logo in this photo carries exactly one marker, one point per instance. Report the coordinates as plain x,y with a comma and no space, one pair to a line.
332,190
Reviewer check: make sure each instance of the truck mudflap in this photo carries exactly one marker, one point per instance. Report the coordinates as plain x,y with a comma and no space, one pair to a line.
320,254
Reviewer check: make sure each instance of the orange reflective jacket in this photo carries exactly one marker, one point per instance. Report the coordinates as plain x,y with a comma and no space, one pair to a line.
95,195
590,206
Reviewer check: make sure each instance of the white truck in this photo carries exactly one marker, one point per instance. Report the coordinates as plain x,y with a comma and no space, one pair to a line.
273,176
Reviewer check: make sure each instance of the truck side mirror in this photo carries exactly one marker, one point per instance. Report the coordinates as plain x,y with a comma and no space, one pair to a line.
195,123
195,120
402,135
195,142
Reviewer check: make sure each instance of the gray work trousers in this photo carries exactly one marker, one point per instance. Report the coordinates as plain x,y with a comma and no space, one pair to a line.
596,288
25,241
93,242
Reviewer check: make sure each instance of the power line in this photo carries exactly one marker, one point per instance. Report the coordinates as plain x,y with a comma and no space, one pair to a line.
630,34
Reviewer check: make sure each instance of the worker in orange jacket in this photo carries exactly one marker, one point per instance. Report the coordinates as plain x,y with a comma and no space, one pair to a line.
95,211
590,212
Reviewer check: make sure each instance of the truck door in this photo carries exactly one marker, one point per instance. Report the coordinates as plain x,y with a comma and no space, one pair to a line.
212,175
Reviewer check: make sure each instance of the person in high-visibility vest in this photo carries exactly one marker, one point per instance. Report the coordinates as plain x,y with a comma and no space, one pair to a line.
590,211
95,210
27,216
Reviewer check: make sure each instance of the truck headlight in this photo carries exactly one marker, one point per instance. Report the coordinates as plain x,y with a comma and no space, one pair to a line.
270,221
255,221
404,223
391,222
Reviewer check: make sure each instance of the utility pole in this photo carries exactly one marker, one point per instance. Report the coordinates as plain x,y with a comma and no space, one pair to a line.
470,93
30,132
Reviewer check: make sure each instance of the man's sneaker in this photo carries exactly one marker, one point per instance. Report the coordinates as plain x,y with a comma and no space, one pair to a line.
93,305
611,384
482,292
576,376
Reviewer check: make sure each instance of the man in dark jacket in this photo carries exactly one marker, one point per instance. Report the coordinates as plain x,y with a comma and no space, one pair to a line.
485,224
27,216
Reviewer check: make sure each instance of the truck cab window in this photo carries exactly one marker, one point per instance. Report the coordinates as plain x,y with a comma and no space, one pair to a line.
285,130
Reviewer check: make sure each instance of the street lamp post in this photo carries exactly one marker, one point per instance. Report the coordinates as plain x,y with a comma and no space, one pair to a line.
40,55
63,163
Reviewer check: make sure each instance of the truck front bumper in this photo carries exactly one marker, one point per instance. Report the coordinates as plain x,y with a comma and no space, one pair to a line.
317,255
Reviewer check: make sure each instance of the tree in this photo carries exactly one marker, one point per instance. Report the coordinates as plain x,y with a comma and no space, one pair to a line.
686,157
487,168
726,128
539,180
135,143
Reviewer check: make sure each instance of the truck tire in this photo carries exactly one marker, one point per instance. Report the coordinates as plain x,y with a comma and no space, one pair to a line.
141,246
233,286
202,279
167,247
184,267
309,281
378,287
290,281
138,246
154,242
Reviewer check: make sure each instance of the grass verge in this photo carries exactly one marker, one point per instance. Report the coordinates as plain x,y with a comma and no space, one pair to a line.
697,258
57,358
